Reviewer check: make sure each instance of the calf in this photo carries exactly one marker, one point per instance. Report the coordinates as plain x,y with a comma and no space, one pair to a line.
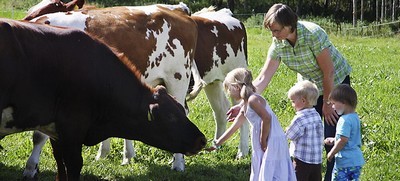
73,88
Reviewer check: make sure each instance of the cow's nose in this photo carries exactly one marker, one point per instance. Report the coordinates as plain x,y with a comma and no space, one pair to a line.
200,143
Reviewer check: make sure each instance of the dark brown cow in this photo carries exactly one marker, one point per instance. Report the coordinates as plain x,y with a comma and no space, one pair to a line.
82,97
160,39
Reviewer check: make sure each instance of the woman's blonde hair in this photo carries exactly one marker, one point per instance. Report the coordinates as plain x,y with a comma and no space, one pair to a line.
241,77
305,89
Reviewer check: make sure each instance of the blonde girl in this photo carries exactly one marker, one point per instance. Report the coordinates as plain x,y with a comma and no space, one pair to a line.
270,153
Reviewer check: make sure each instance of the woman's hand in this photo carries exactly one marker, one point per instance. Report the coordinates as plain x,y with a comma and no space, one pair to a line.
330,115
233,112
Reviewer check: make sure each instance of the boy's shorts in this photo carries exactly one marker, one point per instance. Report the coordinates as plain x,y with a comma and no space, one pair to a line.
347,173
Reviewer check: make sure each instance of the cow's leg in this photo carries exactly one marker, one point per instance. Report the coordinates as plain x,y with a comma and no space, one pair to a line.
57,153
32,165
129,152
72,154
220,105
178,163
104,149
178,89
68,155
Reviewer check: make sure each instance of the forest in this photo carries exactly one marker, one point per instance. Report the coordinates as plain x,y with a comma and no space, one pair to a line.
378,11
339,11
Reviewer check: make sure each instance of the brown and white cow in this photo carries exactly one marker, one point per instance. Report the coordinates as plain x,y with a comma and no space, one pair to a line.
160,40
75,89
52,6
221,47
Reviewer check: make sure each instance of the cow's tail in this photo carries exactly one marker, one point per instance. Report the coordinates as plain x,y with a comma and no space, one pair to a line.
196,83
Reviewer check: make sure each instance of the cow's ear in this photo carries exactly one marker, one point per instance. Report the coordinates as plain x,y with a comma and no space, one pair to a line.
160,90
153,108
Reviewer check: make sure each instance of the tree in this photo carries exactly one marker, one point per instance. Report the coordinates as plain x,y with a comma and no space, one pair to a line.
354,13
231,5
382,11
377,11
393,10
362,11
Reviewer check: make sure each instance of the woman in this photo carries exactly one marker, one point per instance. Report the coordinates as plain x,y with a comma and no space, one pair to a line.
306,49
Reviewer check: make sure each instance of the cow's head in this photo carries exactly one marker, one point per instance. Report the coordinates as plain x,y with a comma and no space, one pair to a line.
49,8
171,129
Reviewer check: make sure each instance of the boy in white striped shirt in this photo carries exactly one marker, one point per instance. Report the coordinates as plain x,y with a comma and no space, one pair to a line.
306,132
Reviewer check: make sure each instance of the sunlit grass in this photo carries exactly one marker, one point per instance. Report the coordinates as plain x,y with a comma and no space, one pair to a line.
375,76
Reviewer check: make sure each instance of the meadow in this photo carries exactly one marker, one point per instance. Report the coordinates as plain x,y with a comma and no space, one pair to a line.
375,77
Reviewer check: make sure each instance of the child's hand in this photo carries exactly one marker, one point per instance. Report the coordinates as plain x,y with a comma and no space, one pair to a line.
329,141
232,113
213,147
330,156
210,149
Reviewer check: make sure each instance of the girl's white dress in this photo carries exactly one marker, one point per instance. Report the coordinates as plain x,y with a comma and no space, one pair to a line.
275,163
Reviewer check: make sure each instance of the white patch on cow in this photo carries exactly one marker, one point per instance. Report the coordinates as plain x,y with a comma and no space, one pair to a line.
181,5
72,19
231,62
215,31
39,5
148,10
223,16
6,118
164,69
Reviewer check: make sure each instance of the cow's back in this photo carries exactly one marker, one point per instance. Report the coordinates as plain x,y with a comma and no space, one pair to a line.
161,42
221,47
148,36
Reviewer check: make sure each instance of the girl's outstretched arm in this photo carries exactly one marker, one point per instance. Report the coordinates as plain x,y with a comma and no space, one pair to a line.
239,120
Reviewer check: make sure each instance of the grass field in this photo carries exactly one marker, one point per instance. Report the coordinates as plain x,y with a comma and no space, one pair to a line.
376,78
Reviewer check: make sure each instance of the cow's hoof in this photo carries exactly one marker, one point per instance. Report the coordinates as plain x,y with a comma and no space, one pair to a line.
126,161
31,175
178,163
241,155
127,156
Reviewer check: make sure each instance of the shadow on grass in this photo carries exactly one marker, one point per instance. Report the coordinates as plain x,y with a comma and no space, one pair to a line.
198,172
13,173
237,170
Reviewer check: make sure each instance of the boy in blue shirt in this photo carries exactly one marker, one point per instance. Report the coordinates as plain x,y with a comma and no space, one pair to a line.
347,142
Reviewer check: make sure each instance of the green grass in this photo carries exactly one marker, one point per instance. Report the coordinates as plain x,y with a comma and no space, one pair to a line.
376,78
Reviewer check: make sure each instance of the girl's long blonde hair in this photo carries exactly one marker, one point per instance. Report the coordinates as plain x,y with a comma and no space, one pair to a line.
243,78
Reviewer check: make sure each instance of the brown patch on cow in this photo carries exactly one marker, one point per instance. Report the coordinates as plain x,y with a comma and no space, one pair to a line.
207,40
126,30
178,76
